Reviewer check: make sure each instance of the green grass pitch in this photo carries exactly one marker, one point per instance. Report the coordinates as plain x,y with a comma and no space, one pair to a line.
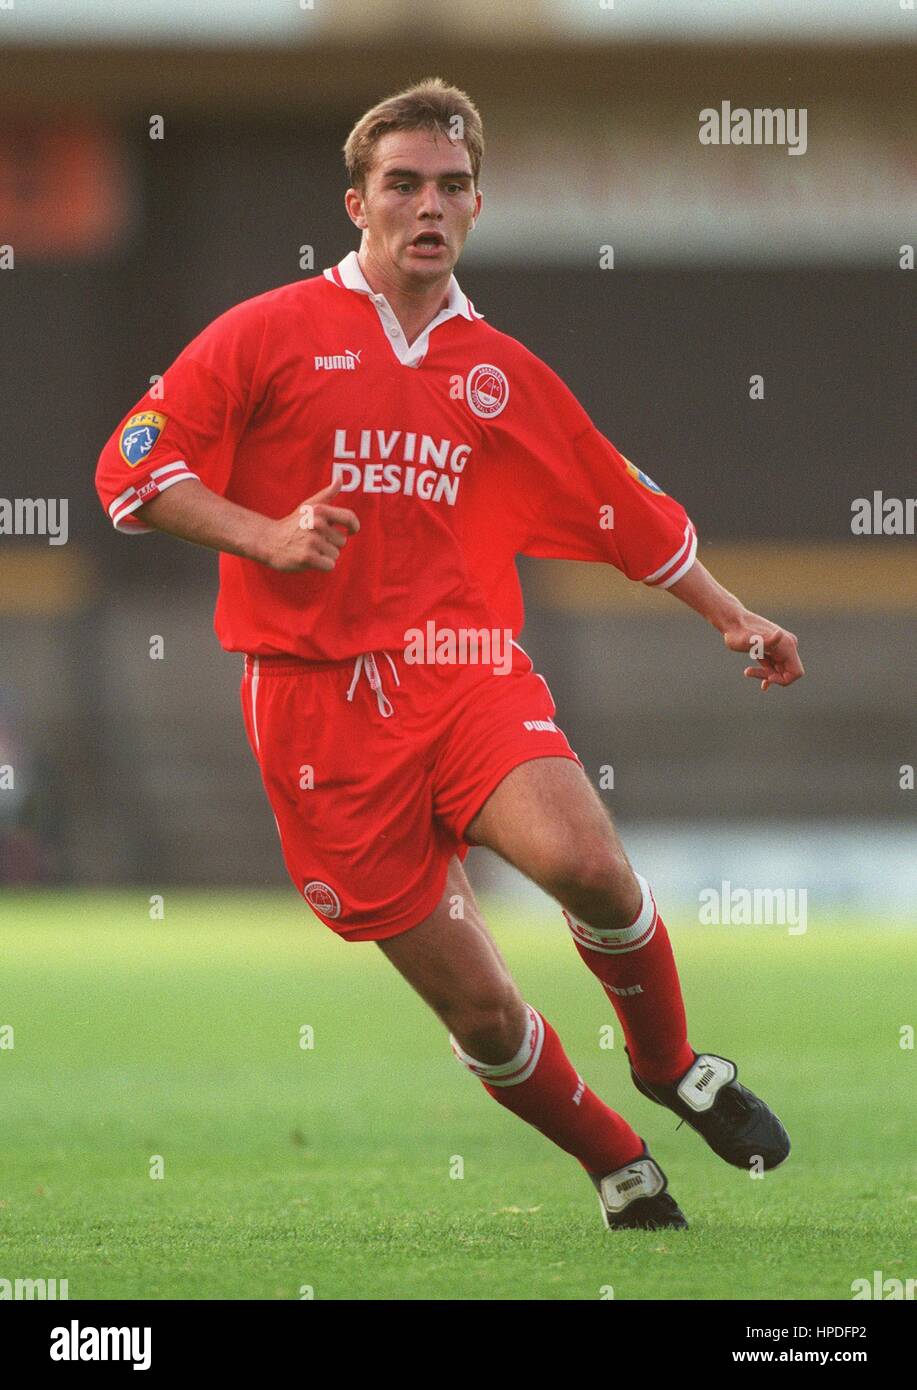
329,1168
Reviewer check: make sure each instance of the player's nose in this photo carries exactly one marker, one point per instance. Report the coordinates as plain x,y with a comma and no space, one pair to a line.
430,201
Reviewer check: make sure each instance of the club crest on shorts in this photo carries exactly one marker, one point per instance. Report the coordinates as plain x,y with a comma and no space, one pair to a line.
486,390
322,899
642,478
139,435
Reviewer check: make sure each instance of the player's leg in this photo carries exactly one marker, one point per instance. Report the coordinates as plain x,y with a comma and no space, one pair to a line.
546,819
455,966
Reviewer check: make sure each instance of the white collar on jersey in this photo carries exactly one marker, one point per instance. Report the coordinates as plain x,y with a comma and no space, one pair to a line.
352,278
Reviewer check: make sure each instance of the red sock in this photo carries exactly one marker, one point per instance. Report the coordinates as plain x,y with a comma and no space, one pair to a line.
541,1085
637,969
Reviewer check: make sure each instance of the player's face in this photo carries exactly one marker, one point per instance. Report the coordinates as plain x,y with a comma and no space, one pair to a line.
418,206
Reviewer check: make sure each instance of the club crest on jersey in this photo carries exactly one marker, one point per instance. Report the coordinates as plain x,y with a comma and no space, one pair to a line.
486,390
643,479
139,435
322,899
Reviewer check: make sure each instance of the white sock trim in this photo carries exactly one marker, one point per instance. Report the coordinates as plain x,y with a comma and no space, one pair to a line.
611,942
518,1068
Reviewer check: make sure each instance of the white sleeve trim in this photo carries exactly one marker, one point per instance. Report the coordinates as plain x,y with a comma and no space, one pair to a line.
678,565
130,500
119,521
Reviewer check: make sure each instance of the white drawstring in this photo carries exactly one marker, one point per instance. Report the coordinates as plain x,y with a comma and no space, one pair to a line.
394,669
367,663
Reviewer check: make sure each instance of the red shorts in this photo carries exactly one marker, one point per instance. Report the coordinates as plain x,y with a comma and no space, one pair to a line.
374,768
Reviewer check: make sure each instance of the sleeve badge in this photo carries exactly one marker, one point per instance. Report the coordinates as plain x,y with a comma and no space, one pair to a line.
139,435
642,478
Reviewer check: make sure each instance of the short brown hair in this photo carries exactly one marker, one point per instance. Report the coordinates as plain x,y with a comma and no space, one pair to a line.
428,105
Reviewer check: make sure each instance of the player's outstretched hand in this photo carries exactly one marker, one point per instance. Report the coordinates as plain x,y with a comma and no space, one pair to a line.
314,535
773,649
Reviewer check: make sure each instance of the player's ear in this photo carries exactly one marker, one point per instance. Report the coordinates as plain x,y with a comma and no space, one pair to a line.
353,202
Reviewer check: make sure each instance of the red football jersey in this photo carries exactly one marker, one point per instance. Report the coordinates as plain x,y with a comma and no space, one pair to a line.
457,452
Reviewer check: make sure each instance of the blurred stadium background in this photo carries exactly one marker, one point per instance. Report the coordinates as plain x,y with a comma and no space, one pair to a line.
728,262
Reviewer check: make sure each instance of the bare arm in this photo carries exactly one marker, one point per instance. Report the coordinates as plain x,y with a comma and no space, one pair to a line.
773,648
309,538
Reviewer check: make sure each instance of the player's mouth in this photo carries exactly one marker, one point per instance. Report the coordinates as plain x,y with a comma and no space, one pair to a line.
428,244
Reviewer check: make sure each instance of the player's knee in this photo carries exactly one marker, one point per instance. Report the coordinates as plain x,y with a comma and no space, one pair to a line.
591,876
491,1025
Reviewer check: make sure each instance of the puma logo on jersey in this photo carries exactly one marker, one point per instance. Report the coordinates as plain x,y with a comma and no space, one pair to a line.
346,361
540,726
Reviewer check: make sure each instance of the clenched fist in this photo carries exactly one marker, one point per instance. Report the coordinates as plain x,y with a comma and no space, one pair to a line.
313,536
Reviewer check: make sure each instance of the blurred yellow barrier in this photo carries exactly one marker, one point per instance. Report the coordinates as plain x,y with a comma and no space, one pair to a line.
42,581
831,577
